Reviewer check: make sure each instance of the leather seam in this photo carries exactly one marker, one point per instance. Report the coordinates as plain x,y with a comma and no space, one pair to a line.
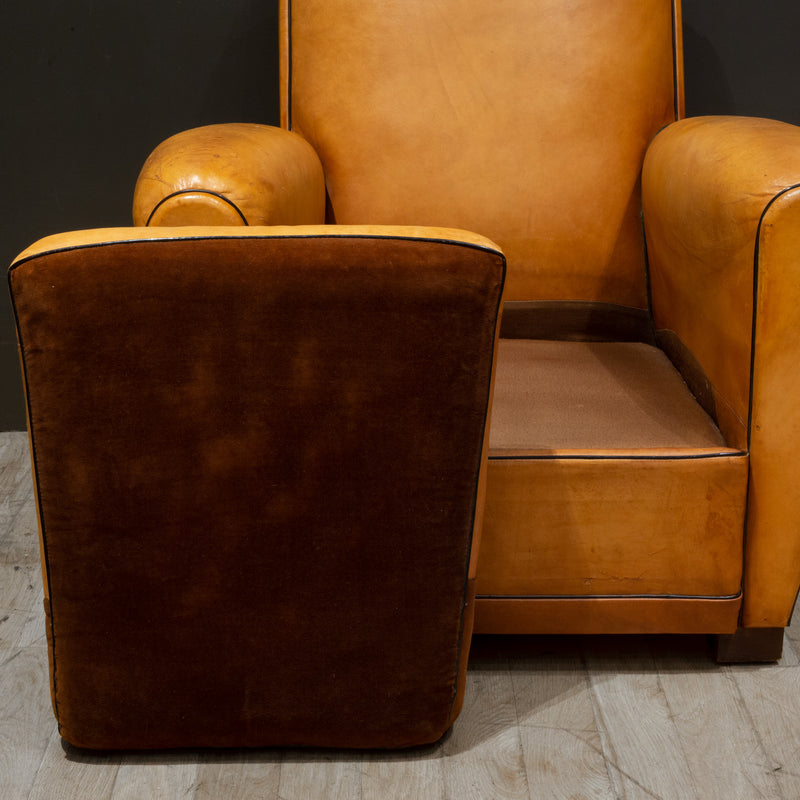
723,597
196,191
590,457
255,237
289,62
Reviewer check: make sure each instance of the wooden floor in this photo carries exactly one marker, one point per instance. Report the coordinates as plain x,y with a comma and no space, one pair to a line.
559,717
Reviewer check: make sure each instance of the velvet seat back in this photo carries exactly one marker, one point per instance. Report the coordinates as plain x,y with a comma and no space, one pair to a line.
259,464
524,120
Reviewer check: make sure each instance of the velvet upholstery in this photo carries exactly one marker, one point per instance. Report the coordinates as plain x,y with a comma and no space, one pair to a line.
259,467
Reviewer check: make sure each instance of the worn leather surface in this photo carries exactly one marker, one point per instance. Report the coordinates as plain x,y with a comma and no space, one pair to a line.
606,478
723,231
231,174
242,447
612,524
525,120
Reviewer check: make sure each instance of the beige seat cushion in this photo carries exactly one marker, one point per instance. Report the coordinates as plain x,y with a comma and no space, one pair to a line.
619,396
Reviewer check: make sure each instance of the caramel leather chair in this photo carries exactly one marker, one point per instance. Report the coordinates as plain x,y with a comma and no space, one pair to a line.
645,424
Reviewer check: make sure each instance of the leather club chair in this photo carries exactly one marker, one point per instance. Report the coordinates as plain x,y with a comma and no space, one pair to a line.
645,424
640,455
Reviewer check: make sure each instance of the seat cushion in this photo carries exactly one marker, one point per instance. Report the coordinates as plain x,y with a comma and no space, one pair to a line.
561,396
606,478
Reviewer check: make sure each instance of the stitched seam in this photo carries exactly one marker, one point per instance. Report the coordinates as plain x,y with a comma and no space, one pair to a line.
196,191
253,237
591,457
723,597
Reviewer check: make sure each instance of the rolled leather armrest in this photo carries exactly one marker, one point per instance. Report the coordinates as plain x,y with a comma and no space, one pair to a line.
231,174
721,201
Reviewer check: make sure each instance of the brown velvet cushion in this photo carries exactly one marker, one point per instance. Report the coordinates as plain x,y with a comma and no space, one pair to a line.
257,464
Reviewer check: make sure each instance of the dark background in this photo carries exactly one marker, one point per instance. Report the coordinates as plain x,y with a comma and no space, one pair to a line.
89,87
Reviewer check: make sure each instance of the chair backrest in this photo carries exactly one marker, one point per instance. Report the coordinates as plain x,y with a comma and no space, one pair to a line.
260,466
523,120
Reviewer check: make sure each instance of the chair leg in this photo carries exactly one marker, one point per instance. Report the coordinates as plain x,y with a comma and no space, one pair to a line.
749,645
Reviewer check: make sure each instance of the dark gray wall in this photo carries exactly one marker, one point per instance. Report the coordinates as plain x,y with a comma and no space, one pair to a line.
90,87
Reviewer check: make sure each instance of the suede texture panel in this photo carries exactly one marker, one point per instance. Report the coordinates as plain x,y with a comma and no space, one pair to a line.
257,463
613,396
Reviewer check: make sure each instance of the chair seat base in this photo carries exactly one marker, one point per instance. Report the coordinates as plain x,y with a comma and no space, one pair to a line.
606,615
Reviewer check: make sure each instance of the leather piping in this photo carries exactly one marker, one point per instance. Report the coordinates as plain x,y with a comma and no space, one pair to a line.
196,191
211,237
756,255
289,64
607,596
616,456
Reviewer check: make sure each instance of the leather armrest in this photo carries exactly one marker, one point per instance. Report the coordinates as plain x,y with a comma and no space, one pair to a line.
721,199
232,174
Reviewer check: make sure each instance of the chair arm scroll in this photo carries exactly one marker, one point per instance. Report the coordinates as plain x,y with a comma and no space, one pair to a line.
721,201
231,174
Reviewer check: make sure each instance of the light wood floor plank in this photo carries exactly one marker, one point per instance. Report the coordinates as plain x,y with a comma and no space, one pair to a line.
705,705
333,776
641,743
15,475
70,774
406,775
20,605
238,776
156,777
484,750
26,719
561,744
21,542
771,696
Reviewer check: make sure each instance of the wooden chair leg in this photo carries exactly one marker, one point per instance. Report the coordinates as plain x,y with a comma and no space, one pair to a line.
749,645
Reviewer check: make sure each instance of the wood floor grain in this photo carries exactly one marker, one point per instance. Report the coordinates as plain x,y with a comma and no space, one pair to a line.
594,718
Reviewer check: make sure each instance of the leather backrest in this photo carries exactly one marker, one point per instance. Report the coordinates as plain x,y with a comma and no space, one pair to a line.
523,120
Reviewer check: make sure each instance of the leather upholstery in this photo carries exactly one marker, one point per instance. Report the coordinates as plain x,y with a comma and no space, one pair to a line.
242,445
722,211
525,121
604,477
233,174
